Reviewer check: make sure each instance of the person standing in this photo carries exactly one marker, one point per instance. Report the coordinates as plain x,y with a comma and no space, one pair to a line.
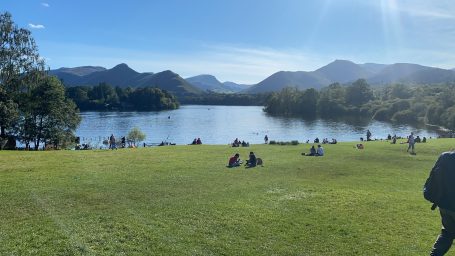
411,142
368,135
112,142
440,190
266,139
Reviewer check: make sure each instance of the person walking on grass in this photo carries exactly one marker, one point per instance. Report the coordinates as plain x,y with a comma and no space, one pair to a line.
439,189
411,142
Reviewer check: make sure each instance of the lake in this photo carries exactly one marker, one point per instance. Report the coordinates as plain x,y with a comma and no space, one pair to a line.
222,124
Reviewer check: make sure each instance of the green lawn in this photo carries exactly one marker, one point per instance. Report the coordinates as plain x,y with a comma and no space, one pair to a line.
182,200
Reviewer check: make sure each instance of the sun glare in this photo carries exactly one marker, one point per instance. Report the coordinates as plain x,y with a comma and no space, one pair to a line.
392,27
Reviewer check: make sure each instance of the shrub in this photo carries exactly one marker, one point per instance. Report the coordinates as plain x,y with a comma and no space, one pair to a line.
284,143
135,136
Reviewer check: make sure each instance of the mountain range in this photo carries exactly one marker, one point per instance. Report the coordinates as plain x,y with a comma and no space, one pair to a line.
124,76
341,71
344,71
211,83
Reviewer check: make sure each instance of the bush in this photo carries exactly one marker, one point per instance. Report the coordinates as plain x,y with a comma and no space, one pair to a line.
284,143
135,136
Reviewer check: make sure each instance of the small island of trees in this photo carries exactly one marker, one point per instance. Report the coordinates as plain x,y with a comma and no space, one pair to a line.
416,104
106,97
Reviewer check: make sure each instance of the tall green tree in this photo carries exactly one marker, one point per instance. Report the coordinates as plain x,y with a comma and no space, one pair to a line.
20,68
9,112
33,106
50,117
358,93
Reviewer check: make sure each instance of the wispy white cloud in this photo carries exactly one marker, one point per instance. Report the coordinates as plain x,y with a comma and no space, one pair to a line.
441,9
45,4
36,26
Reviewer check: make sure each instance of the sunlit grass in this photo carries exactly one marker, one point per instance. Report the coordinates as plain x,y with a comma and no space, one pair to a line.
182,200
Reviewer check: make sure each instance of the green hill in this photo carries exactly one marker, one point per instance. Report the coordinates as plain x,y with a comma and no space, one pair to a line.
182,200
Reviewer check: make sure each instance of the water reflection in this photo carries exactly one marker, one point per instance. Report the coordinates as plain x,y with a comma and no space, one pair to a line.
222,124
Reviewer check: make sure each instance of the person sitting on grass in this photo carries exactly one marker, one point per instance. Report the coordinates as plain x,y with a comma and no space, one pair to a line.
252,161
234,161
320,151
312,152
417,139
394,139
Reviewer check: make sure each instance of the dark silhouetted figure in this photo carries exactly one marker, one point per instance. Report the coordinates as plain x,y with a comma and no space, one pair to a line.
440,190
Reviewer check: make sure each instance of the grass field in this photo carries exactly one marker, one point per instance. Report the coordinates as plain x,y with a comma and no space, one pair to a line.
182,200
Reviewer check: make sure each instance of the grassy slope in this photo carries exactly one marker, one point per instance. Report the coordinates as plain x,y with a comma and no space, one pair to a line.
182,200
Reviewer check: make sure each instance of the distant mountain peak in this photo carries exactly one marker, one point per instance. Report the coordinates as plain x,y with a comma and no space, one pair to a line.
337,61
121,66
343,71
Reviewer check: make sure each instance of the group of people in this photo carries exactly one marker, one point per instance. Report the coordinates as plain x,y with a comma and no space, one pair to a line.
411,140
235,161
196,141
324,141
238,143
112,142
315,152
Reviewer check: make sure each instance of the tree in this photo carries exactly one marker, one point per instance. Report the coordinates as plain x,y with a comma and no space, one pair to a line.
49,117
20,68
33,105
135,136
308,102
332,100
359,93
9,112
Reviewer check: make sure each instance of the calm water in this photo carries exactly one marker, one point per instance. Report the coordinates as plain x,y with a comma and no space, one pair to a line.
222,124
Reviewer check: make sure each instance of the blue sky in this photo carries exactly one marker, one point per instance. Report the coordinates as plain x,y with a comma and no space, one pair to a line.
238,40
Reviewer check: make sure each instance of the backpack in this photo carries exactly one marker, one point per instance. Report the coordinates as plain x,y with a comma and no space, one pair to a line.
438,187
